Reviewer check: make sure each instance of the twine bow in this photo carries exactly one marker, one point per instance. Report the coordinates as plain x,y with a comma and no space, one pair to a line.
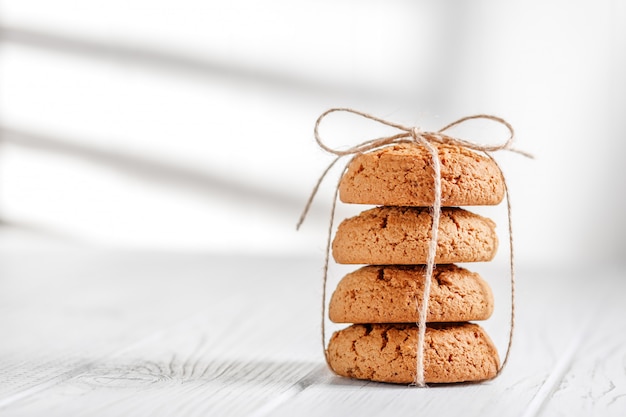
426,139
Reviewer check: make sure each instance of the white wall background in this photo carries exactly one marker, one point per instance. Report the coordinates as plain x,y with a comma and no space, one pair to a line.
187,125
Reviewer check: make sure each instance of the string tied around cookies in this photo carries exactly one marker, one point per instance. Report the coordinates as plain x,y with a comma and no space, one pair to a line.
426,139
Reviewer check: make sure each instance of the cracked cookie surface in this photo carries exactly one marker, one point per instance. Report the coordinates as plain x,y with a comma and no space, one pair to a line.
387,353
401,175
401,235
389,294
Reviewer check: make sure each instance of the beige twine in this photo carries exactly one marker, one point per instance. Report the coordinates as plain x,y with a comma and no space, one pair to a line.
426,139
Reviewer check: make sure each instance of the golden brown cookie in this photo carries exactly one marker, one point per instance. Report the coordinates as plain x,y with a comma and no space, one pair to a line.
387,353
389,294
401,235
401,175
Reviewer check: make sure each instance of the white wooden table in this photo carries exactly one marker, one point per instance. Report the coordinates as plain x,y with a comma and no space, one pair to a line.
119,333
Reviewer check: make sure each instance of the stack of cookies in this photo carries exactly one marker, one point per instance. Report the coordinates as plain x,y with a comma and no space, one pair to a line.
380,300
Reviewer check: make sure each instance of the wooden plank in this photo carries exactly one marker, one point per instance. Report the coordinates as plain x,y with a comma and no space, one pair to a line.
184,370
193,335
140,331
594,382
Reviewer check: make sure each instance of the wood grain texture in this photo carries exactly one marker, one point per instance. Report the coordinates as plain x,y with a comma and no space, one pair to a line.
103,334
594,381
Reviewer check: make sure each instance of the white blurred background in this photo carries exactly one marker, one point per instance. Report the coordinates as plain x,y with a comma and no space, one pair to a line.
187,125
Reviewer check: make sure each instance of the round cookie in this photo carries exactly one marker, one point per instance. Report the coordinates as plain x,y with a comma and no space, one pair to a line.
389,294
401,236
387,353
401,175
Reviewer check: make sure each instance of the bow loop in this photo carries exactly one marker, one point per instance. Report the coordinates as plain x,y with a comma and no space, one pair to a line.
416,134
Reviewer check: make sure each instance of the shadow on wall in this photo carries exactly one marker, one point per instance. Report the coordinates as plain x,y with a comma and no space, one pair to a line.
168,60
152,170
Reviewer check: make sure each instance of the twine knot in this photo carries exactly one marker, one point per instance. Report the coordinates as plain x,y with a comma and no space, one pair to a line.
416,134
425,138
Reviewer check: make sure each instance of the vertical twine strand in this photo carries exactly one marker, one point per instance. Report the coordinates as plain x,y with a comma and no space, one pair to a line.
509,209
430,260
